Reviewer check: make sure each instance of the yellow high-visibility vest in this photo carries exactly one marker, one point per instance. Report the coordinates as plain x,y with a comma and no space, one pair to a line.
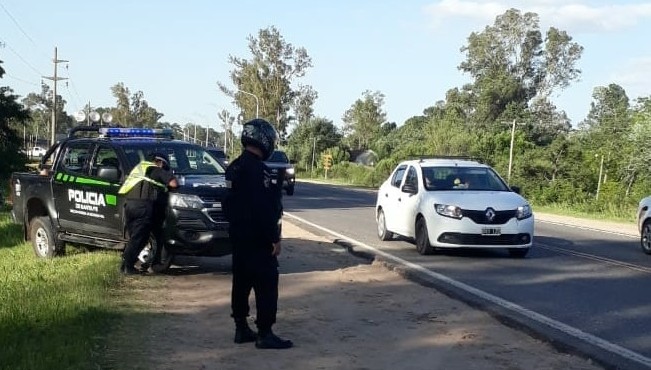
137,174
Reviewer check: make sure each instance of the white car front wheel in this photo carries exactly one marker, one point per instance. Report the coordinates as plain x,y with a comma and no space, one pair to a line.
422,238
382,231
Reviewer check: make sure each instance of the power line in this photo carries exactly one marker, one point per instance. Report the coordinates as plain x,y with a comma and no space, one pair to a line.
20,79
20,57
74,88
17,24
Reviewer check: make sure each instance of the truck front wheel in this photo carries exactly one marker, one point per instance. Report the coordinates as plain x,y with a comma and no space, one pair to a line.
156,256
43,239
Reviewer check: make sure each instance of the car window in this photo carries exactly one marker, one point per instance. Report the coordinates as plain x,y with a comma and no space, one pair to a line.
105,157
75,157
396,180
412,177
462,178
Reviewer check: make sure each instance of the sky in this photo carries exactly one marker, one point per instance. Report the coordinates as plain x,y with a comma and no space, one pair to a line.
175,52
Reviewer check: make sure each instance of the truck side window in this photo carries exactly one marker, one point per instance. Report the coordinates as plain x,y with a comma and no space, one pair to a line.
106,157
76,157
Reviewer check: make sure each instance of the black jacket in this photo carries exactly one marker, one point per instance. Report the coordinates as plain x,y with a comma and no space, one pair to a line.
253,206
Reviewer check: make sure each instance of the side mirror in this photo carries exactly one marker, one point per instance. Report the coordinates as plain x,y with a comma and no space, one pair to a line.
109,173
410,188
515,189
292,161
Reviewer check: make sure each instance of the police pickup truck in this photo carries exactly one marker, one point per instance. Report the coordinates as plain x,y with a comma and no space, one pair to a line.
74,198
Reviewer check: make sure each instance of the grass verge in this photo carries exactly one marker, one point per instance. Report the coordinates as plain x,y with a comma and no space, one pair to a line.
63,313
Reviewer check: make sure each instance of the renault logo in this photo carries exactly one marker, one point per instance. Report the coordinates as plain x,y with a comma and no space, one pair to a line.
490,214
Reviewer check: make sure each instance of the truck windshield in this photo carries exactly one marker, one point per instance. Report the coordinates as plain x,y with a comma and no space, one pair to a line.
278,156
185,159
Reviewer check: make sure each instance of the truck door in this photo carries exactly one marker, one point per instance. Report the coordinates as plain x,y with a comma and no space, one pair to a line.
73,204
106,174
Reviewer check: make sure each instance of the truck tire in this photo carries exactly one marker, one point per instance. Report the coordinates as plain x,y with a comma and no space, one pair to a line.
290,190
44,241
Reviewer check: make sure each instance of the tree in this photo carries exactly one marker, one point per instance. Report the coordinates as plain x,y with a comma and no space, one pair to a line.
303,104
511,63
268,75
133,110
364,119
310,138
11,114
608,125
39,122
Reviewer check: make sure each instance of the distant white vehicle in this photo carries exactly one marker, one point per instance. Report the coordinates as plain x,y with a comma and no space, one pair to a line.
36,152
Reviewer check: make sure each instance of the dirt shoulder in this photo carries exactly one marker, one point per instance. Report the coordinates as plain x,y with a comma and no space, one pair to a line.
342,312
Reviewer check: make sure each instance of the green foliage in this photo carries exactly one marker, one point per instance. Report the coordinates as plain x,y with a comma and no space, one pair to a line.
12,114
132,110
263,83
54,314
364,120
310,139
39,124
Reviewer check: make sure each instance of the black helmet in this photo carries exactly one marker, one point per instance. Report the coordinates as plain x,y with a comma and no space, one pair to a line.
260,134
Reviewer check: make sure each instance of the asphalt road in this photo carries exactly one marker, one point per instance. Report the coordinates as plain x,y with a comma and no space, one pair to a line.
583,290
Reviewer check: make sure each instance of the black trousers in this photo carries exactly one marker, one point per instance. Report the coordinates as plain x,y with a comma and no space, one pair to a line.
140,223
254,268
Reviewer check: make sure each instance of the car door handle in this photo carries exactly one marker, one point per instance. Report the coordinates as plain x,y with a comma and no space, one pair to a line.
399,199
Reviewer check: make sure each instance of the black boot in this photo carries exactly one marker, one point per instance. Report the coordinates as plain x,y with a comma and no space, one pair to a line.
268,340
243,333
128,270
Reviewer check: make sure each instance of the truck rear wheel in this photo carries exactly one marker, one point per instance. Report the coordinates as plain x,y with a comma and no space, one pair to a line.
43,239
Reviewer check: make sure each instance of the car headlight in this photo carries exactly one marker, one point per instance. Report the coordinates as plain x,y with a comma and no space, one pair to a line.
523,212
289,171
448,210
185,201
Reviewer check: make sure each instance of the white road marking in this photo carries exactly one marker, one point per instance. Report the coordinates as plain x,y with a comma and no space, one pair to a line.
564,328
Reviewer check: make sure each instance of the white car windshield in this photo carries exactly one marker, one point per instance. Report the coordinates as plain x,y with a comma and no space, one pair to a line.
462,178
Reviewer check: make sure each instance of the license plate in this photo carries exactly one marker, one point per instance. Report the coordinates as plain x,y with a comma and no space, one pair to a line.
491,231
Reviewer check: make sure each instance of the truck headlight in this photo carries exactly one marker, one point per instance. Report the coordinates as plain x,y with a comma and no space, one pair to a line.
448,210
185,201
523,212
289,171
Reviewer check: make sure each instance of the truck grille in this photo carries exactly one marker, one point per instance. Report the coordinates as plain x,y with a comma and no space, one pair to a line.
216,215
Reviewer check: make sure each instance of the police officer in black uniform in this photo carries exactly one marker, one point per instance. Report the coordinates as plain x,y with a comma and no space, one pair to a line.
146,199
253,208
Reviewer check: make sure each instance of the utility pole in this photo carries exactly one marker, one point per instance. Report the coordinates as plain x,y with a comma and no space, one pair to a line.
54,96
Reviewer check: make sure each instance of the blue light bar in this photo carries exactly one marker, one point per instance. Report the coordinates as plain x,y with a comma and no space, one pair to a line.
134,132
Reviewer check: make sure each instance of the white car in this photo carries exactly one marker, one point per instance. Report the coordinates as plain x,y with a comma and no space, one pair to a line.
644,224
36,152
453,203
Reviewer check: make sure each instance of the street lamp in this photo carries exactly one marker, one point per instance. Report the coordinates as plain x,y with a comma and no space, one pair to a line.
257,103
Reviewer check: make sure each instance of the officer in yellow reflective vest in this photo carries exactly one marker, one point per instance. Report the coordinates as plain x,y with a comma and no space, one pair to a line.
145,191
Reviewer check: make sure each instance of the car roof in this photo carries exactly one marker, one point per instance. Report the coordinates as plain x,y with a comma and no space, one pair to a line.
444,162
